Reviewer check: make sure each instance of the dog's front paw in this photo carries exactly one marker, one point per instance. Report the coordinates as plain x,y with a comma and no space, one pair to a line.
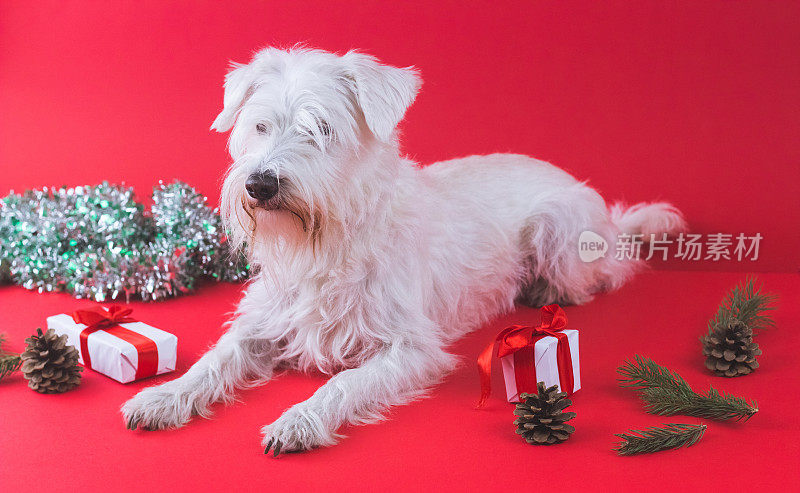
298,429
157,408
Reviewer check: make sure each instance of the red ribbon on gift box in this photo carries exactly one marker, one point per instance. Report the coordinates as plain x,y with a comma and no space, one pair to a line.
99,319
520,339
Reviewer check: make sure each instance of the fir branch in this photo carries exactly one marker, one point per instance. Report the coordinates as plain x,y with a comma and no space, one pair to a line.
9,362
654,439
664,392
747,304
645,373
712,405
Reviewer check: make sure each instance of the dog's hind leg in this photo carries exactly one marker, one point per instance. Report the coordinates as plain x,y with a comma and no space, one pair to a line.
239,359
553,271
556,273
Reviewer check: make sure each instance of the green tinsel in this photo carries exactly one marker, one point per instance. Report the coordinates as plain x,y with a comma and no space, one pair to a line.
97,242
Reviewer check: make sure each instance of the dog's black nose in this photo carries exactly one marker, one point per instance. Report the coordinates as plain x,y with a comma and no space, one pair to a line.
262,186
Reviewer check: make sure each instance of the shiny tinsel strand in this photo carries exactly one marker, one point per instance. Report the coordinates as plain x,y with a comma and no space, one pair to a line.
97,242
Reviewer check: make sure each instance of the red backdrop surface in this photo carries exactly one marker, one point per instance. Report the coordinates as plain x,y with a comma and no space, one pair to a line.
77,441
692,102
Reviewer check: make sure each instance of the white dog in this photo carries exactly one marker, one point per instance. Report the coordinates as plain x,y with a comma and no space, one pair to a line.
367,265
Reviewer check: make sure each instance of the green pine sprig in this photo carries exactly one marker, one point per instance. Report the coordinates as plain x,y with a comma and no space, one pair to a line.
9,362
666,393
654,439
747,304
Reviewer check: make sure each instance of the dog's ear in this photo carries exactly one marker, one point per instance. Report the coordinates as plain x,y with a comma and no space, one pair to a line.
383,92
238,87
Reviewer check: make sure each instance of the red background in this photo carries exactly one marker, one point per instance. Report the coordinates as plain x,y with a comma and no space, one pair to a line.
692,102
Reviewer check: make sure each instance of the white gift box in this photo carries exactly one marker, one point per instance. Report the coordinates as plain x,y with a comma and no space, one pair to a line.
545,355
115,357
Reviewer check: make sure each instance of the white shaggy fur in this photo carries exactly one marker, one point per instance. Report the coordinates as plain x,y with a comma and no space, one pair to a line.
367,265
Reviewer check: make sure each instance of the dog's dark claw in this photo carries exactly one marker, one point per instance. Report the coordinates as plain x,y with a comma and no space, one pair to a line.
269,445
278,445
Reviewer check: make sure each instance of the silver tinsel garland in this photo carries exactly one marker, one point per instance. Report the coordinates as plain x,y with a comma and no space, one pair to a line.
97,242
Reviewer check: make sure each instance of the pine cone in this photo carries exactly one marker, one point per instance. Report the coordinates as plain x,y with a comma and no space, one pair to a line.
730,350
541,418
49,365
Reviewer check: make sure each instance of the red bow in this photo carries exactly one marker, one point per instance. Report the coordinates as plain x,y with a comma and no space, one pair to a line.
99,319
516,337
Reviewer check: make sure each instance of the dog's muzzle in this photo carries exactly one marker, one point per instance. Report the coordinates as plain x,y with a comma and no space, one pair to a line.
262,186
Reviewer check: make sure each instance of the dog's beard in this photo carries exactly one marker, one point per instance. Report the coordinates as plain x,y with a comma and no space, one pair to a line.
262,230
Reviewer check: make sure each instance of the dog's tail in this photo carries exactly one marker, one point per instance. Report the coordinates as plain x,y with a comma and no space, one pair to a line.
648,218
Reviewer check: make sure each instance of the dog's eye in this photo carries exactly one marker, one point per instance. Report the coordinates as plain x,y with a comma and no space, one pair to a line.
324,128
261,128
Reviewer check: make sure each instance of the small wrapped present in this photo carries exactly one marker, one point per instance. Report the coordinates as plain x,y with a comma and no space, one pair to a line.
529,354
113,343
